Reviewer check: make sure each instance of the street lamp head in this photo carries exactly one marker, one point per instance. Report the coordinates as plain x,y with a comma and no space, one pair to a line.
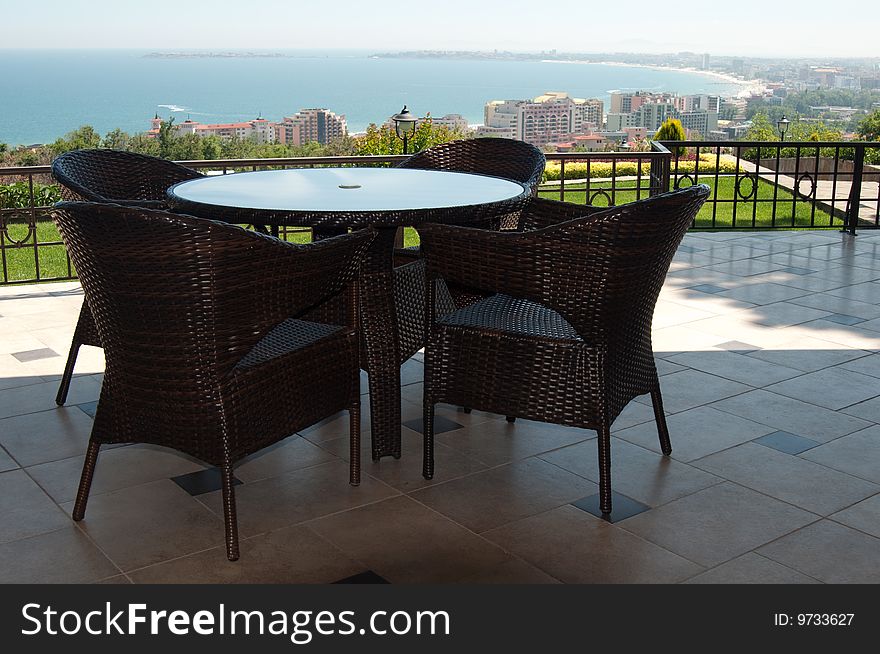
404,123
782,125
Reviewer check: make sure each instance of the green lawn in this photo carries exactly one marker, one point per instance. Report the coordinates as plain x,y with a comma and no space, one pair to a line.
19,261
749,212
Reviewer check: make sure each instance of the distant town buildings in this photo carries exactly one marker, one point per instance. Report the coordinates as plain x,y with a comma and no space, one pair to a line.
641,109
306,126
547,119
311,126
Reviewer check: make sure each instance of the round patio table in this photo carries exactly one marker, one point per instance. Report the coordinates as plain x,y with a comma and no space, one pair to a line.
332,201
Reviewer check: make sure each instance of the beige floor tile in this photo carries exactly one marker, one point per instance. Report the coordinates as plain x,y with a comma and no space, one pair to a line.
46,436
736,367
717,524
857,454
576,547
691,388
62,556
513,571
766,293
869,365
836,304
751,568
13,373
638,473
791,415
405,542
117,468
495,497
6,461
867,410
847,335
864,516
298,496
294,555
697,433
832,388
405,473
829,552
781,314
25,510
864,292
41,397
808,354
498,441
788,478
147,524
292,453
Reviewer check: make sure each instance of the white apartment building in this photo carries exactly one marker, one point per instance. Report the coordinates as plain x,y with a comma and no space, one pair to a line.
309,126
546,119
696,112
259,130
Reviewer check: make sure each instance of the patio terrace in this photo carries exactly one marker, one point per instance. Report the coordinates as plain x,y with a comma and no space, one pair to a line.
767,344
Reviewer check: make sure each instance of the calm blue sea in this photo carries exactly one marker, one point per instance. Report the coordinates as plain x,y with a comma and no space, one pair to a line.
45,94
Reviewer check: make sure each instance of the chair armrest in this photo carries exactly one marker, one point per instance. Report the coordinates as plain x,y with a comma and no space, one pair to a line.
540,213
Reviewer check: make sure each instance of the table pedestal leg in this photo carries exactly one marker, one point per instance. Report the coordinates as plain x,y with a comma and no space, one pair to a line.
381,346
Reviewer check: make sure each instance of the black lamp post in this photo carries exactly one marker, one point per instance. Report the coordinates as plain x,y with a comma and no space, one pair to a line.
782,125
404,126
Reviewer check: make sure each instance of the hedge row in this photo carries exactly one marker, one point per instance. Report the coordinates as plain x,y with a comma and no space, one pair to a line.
604,169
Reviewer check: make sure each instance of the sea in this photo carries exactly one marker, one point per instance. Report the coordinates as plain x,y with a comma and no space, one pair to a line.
46,93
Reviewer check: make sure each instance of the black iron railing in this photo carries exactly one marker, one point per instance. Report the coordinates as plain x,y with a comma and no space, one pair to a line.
755,186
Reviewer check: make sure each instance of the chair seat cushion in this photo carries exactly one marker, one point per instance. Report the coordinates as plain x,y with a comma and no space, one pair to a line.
511,315
286,337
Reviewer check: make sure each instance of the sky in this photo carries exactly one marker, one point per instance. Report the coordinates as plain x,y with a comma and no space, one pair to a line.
781,28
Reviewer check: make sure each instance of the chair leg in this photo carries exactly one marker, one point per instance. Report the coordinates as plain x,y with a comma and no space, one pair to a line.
511,419
605,470
660,418
85,481
231,522
354,435
428,433
466,409
61,398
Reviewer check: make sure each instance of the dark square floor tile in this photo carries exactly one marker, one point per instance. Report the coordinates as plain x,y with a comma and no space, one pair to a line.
794,270
785,442
622,507
441,425
738,346
35,355
707,288
368,577
843,319
203,481
89,408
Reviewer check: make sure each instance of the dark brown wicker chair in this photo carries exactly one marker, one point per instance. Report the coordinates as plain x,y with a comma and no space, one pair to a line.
499,157
124,178
206,348
566,337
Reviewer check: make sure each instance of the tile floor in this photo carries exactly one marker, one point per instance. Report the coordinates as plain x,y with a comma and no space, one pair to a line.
768,349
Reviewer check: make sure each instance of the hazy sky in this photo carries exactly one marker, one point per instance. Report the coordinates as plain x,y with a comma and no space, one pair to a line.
744,27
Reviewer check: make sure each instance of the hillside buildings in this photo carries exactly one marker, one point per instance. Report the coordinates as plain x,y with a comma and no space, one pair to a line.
305,126
697,113
547,119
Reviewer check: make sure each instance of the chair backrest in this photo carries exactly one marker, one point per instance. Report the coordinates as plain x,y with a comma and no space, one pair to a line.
610,266
113,176
602,272
499,157
178,301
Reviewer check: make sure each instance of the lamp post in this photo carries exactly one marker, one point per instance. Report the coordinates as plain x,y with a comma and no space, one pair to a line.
404,126
782,125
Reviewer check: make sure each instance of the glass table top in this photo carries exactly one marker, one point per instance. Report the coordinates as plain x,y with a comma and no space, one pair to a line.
347,189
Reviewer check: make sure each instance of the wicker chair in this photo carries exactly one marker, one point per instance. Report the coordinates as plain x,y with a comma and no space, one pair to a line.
516,160
566,337
124,178
206,348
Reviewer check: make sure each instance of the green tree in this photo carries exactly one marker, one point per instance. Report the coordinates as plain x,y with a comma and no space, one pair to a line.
671,130
79,139
116,140
143,144
869,127
383,140
166,138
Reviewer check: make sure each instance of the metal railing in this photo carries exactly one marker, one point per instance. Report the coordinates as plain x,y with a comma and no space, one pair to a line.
755,186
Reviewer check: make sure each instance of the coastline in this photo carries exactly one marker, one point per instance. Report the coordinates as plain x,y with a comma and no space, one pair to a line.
748,85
